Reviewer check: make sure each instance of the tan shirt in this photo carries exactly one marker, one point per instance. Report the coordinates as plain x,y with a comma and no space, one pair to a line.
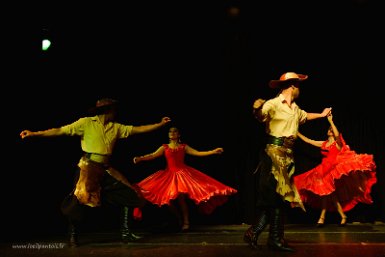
281,119
96,137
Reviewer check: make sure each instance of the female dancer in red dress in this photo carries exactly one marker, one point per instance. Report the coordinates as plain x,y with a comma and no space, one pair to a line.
179,181
343,179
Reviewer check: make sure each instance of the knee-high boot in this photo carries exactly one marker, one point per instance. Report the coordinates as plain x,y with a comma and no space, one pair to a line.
252,233
276,239
127,235
73,234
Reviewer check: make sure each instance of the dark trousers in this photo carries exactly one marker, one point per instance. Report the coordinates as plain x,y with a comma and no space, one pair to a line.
113,192
266,195
270,208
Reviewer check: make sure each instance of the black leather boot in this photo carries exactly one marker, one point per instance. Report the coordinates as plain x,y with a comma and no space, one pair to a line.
73,236
127,235
252,233
276,239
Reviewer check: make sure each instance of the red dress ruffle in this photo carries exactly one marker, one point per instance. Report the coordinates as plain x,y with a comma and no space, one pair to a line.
163,186
343,174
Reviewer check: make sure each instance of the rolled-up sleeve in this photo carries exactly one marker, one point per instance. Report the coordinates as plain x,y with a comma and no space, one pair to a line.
302,116
265,111
124,131
75,128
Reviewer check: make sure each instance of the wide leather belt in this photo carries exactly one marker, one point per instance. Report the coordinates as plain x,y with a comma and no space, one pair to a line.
281,141
99,158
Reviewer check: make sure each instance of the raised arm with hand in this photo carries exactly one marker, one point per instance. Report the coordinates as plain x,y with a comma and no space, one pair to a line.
151,127
333,128
324,113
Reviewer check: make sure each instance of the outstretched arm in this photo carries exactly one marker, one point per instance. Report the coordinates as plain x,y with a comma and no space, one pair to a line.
192,151
309,141
43,133
159,152
324,113
151,127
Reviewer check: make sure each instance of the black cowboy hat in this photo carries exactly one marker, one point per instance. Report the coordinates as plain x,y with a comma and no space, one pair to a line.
287,79
103,105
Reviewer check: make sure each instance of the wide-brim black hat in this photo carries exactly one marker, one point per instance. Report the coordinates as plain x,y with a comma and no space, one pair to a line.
103,105
287,79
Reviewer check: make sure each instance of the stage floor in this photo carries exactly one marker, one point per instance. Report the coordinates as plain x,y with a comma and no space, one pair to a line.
354,240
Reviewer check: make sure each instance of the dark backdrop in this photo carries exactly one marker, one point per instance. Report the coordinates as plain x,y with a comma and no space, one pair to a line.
202,64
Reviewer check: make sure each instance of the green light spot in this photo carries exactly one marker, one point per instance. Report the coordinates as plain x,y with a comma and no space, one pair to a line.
45,44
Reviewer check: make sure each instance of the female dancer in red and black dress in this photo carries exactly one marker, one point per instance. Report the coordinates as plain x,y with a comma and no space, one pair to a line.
343,179
179,181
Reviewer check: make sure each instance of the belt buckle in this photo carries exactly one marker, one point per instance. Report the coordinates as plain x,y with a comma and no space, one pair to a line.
288,141
278,141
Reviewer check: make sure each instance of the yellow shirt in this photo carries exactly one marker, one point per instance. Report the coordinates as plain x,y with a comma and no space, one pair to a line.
280,119
96,137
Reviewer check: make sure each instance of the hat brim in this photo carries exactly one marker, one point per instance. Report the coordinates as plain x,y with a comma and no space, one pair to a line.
287,82
101,109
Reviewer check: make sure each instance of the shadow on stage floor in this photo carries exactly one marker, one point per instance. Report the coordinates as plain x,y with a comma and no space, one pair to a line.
356,239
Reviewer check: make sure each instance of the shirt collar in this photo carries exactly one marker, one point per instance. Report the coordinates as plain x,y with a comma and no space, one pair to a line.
282,98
